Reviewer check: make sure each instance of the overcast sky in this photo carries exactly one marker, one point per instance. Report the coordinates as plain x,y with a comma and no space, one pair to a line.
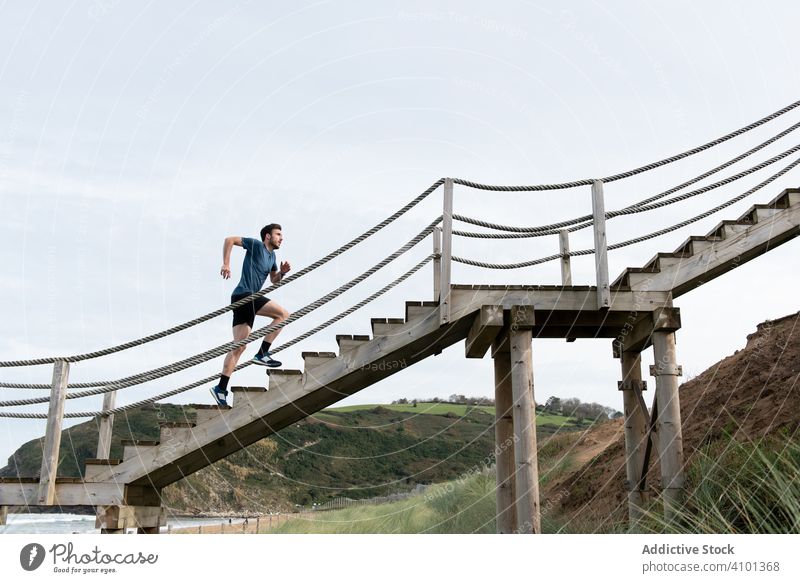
135,137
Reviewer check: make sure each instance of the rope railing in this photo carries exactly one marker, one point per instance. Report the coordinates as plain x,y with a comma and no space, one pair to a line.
382,224
200,382
228,346
635,171
641,206
637,239
243,301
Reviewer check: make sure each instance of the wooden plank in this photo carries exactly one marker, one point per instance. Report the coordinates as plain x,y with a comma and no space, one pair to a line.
447,251
555,298
67,494
52,438
600,246
506,510
524,414
485,328
563,248
106,426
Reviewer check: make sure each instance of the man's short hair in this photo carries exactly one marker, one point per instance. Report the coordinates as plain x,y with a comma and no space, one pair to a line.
268,229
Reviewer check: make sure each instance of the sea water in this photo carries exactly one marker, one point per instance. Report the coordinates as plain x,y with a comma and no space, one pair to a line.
84,523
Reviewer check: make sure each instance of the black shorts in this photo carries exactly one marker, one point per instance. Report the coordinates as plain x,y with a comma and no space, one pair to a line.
246,314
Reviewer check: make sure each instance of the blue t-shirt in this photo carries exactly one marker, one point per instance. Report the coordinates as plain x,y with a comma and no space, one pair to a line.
258,262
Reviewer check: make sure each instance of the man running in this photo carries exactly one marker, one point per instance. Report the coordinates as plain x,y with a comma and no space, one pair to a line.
259,261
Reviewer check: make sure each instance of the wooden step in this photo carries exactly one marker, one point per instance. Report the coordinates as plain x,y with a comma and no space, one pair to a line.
244,396
633,275
385,326
420,310
206,412
312,360
133,448
98,466
728,229
696,244
759,213
348,342
665,260
283,379
786,199
175,430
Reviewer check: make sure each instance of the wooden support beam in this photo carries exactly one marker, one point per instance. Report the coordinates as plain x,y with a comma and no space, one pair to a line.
3,515
527,470
437,263
506,511
652,434
445,302
600,246
635,433
106,426
563,247
52,438
487,325
670,440
637,334
115,519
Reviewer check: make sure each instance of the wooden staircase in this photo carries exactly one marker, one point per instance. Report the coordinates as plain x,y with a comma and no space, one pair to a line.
700,259
397,343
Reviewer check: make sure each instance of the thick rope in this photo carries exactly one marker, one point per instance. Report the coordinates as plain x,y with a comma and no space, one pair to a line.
227,347
303,336
243,301
639,207
630,241
629,173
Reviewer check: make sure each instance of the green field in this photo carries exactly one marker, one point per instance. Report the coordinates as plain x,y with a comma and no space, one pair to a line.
453,408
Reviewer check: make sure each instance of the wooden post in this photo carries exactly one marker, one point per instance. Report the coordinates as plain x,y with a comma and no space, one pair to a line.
563,247
3,515
447,251
635,432
600,246
258,524
437,263
52,438
504,444
527,472
106,427
670,440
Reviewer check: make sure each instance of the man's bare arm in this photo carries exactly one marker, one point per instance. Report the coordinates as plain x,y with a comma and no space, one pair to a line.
225,272
277,275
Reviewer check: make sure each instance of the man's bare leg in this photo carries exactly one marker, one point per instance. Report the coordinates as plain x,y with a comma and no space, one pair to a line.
278,313
240,332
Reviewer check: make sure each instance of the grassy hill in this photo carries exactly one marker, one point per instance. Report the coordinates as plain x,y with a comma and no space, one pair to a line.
357,452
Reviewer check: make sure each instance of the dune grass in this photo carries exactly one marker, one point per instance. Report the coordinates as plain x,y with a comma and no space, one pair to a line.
461,506
738,487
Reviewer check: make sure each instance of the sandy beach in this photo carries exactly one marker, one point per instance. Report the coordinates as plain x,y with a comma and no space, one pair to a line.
254,525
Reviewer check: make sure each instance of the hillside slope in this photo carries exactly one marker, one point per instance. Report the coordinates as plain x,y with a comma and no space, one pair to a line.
354,453
752,393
